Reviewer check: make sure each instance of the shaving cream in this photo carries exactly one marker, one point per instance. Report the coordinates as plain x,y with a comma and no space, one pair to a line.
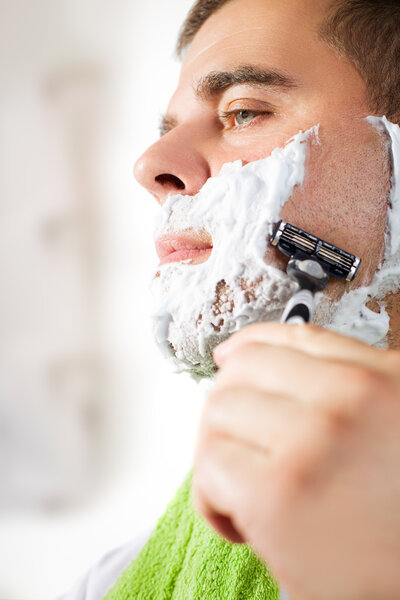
201,305
351,316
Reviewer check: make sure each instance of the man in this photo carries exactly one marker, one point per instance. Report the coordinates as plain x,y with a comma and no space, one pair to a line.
299,448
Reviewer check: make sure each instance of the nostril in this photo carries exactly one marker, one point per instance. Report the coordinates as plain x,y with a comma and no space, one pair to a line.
166,179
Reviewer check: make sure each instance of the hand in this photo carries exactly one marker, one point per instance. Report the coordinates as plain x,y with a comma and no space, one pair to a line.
299,455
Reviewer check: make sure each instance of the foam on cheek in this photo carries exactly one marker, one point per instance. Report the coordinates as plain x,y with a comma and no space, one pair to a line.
200,305
351,315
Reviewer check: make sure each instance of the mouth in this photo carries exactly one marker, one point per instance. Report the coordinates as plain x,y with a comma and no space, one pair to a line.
184,246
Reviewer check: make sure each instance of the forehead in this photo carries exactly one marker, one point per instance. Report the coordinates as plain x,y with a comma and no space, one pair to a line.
277,30
281,35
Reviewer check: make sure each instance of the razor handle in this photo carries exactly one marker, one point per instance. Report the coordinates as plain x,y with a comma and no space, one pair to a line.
311,278
300,308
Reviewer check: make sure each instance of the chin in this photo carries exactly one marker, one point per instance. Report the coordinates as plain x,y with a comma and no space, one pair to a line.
188,331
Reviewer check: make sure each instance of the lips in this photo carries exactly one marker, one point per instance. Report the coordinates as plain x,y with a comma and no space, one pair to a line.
178,247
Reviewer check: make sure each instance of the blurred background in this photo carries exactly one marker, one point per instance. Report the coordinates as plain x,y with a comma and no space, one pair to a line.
96,432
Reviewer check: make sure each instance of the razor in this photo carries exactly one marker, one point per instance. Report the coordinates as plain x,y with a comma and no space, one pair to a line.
312,262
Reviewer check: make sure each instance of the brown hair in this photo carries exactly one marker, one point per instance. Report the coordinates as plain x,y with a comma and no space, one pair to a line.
367,32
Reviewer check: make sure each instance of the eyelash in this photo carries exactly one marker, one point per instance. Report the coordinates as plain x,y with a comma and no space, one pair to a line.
227,115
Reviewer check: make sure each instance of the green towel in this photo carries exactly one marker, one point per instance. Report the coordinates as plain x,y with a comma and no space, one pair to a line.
184,559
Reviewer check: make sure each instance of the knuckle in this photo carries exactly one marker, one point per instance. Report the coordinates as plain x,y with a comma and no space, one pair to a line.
249,351
371,386
218,403
357,380
292,478
205,451
223,377
246,349
365,387
287,481
335,421
235,369
217,396
246,514
311,329
242,505
246,504
212,407
301,465
295,333
249,333
294,470
221,395
300,332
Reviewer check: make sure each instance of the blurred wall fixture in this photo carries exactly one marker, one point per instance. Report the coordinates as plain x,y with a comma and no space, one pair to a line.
53,367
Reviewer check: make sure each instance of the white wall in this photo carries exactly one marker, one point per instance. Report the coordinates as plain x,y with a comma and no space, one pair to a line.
96,432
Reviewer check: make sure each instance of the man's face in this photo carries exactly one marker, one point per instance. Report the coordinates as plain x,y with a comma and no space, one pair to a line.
272,76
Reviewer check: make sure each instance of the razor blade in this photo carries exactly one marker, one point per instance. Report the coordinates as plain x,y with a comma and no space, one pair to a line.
300,245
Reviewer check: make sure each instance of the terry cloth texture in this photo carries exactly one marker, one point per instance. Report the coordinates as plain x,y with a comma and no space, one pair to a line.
184,559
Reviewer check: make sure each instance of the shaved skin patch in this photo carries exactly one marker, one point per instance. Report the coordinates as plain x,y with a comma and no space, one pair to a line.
361,313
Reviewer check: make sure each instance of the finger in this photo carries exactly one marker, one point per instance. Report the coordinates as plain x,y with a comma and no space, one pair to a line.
228,478
291,374
308,339
253,417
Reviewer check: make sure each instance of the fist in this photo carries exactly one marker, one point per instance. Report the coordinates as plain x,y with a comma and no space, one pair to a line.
298,455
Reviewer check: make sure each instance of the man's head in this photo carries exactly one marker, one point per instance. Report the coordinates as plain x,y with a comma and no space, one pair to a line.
367,32
256,72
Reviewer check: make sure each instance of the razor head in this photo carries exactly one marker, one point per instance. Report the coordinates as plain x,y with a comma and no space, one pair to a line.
299,244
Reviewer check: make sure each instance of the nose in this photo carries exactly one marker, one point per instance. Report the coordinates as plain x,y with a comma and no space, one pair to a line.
175,164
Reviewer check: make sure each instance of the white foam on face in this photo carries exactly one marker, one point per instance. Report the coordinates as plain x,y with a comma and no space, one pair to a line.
351,315
201,305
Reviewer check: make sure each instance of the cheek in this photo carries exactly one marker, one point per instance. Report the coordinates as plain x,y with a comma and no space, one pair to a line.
344,197
251,144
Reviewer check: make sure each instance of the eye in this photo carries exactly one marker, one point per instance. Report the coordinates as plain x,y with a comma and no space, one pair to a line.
242,117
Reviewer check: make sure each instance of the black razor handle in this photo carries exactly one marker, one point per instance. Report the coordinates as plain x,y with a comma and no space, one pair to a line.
300,308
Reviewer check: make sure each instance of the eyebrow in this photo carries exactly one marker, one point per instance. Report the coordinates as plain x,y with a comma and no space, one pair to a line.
214,83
